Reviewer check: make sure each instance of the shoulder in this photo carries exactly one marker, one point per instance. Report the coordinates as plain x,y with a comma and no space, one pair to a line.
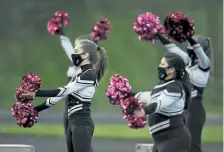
88,75
174,88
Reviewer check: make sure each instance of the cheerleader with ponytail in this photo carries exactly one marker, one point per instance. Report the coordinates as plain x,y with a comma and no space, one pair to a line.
79,93
97,34
165,104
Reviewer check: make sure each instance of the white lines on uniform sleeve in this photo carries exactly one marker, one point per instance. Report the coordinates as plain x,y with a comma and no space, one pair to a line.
138,94
171,94
158,105
78,80
53,100
63,90
49,103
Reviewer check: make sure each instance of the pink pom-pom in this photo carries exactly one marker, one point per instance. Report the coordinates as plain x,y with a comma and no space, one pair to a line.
57,22
179,26
129,105
146,25
136,123
30,82
20,97
25,114
101,28
118,89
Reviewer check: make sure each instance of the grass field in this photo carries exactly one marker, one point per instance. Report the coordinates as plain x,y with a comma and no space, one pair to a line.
211,134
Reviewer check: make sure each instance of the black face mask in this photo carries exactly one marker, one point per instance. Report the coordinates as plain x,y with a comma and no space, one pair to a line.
162,73
191,54
77,59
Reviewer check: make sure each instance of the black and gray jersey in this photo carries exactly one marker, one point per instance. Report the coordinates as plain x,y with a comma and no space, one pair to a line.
198,70
170,99
169,96
82,99
80,91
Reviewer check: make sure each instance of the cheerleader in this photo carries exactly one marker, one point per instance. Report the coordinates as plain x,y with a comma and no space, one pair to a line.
165,106
72,70
80,91
198,67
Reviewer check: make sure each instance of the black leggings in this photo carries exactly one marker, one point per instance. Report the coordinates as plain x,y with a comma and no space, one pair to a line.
196,117
65,117
176,140
79,137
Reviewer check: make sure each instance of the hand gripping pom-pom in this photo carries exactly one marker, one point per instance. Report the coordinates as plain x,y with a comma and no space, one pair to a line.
30,82
57,22
118,89
129,105
25,114
100,30
179,26
146,26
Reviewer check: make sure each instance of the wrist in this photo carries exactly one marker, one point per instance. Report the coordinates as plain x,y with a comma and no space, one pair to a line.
60,32
192,41
36,109
157,33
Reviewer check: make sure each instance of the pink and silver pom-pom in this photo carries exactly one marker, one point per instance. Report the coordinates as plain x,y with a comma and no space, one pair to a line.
24,113
57,22
118,89
179,26
100,30
30,82
128,106
146,26
137,123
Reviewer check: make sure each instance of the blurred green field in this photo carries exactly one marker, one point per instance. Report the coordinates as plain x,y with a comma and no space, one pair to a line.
211,134
40,53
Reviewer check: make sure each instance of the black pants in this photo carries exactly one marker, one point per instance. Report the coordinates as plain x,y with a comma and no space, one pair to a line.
195,119
65,117
175,140
79,137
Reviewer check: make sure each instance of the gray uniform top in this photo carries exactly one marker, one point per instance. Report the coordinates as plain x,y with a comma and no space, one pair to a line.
80,91
170,99
199,70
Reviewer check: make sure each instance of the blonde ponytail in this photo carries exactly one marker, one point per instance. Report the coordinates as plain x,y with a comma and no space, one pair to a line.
102,63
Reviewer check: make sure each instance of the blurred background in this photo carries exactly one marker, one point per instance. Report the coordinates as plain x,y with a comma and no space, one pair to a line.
26,46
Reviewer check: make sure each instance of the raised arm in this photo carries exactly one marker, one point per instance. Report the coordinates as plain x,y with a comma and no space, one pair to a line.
67,46
86,79
170,95
203,60
173,48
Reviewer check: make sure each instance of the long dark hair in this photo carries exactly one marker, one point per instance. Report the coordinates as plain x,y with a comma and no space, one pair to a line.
182,75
